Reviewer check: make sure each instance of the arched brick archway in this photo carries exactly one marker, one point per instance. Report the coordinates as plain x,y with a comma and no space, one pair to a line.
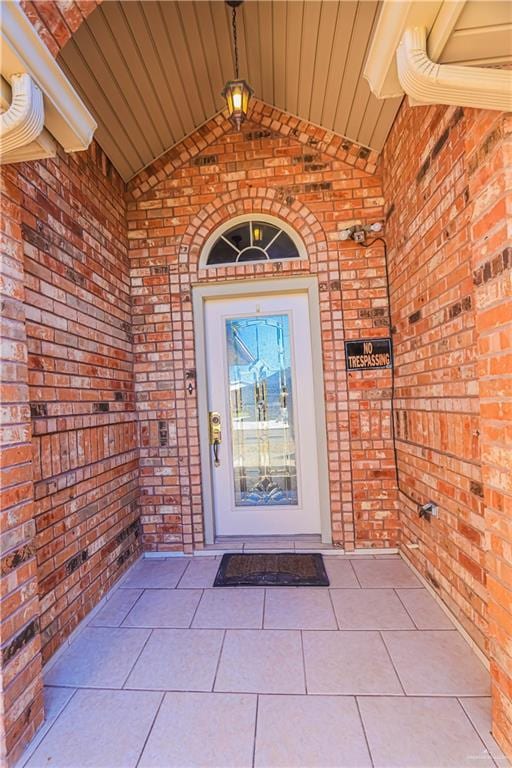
257,200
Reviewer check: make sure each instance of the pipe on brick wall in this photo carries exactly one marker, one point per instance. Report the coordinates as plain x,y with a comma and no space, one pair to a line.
23,121
426,82
399,486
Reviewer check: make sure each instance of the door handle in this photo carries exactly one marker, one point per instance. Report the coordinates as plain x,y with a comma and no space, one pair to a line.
215,435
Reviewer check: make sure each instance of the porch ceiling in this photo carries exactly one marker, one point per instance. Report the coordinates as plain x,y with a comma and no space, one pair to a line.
152,72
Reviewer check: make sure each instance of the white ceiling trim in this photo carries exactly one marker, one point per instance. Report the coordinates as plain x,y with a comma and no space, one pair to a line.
398,61
428,83
23,52
443,27
380,69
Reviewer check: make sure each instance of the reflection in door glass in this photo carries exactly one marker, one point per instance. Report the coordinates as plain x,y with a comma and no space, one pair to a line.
261,397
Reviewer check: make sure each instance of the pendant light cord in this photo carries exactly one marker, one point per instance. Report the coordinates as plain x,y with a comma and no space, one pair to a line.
235,41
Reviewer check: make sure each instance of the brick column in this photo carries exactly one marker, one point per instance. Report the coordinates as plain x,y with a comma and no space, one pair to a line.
489,148
21,682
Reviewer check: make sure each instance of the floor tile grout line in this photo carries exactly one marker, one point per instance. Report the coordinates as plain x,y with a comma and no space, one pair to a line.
276,586
395,590
391,658
164,694
264,608
255,730
334,611
304,675
138,657
461,705
32,752
356,698
196,610
183,574
122,625
344,695
217,666
355,574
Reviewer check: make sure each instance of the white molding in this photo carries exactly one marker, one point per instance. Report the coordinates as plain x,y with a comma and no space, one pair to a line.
443,27
242,219
232,289
23,121
380,67
395,16
398,61
23,51
426,82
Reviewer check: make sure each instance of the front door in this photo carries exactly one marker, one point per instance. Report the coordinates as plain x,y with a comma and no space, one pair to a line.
260,384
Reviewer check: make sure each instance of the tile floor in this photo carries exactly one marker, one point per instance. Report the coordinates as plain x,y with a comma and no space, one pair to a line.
171,673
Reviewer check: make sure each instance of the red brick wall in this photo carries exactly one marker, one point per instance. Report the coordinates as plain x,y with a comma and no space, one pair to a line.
489,149
448,199
74,470
20,681
433,311
319,185
81,383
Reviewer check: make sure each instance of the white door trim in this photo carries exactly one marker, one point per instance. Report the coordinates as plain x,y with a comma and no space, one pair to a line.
232,289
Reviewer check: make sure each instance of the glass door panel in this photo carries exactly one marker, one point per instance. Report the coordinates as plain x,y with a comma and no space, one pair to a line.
261,410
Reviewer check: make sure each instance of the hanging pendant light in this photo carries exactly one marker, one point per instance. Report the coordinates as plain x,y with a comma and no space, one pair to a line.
236,92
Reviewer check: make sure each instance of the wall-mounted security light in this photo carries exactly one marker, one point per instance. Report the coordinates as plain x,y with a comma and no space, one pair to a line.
427,510
358,232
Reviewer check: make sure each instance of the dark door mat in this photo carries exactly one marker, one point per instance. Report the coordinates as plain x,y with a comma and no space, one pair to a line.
271,570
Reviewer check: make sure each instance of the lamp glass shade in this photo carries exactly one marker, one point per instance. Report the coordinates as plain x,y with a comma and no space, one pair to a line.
237,94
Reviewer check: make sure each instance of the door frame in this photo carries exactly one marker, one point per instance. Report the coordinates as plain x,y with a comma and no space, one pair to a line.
230,289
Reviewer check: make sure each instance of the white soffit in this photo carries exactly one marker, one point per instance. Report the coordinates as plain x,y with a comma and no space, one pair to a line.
396,15
152,72
482,35
65,115
469,32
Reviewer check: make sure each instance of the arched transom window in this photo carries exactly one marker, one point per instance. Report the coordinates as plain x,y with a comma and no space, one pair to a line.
244,240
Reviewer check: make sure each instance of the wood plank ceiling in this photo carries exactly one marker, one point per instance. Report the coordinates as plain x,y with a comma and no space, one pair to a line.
151,72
